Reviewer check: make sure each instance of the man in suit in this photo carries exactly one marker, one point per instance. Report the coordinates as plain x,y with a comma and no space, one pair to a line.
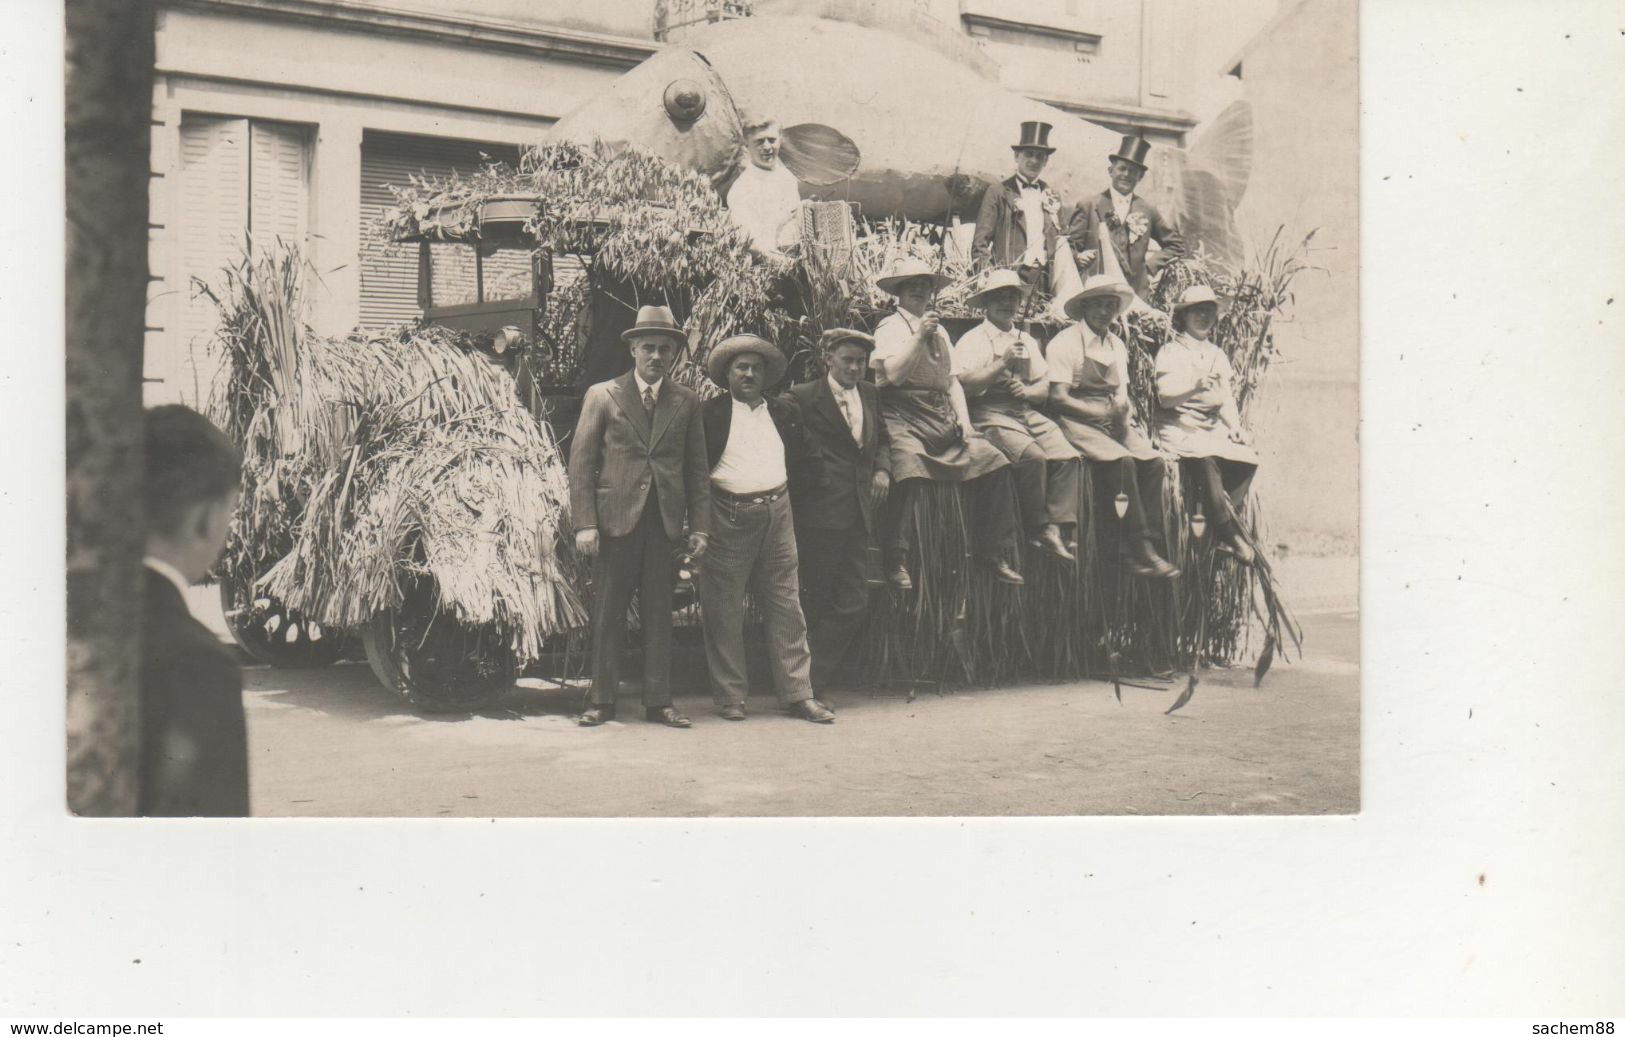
756,447
837,521
1019,220
1131,221
637,473
194,745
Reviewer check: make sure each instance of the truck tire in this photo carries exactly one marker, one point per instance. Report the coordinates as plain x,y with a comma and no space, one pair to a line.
435,663
273,634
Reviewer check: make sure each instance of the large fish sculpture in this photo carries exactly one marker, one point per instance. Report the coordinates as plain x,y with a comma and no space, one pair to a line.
896,127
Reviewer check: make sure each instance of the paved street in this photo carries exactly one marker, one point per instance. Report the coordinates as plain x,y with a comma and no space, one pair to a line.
334,743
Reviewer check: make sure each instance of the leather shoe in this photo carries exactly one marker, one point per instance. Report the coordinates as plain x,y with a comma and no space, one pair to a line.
594,715
1051,542
1152,565
899,578
667,715
732,711
1239,548
813,710
1004,574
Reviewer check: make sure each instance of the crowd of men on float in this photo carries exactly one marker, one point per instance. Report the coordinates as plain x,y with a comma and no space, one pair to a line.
782,496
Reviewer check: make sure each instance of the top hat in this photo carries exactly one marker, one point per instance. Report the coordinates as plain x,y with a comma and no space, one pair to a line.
1099,285
1034,135
1133,150
655,320
907,269
840,336
994,281
716,365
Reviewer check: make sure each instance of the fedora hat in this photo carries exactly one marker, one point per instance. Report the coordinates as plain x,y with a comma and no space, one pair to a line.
655,320
907,269
1133,150
838,336
1034,135
1097,286
1195,295
995,280
716,365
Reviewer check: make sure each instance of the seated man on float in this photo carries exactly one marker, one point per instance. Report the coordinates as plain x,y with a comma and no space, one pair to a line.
1088,372
1197,419
923,406
1005,379
765,199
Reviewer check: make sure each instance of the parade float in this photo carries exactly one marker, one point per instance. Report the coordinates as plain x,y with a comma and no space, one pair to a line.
409,487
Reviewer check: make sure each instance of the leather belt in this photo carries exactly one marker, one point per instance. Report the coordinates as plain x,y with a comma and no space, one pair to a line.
765,497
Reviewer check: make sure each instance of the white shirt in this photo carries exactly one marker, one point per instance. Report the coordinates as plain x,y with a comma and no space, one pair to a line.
1120,203
753,460
853,409
644,386
985,343
763,201
167,571
1031,204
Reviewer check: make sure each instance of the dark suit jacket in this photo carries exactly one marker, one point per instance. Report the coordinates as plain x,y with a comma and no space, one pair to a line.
848,467
194,748
1001,229
801,463
1082,232
618,454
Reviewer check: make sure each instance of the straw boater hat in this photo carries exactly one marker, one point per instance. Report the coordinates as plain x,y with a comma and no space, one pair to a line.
1097,286
907,269
1133,150
839,336
1195,295
994,281
716,365
655,320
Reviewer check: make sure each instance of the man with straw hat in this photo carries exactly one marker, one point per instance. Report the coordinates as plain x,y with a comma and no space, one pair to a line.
637,474
1019,220
1005,378
929,425
1132,223
755,448
1197,419
837,521
1088,373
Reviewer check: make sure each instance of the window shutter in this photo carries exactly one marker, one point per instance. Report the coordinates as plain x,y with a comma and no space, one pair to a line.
279,184
213,211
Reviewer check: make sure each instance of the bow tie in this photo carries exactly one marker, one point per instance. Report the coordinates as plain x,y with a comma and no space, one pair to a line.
1026,185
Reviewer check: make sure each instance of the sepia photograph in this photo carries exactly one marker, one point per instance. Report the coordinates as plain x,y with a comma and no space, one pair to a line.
682,408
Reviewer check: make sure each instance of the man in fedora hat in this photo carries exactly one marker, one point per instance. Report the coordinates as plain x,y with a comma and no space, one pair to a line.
838,521
1005,378
1020,216
1131,222
755,449
1088,373
637,474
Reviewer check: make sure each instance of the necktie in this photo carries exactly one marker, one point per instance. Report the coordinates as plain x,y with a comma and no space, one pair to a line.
649,399
846,411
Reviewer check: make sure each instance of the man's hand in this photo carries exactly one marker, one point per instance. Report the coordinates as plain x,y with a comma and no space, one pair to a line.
929,324
1206,382
696,545
1242,436
879,488
587,543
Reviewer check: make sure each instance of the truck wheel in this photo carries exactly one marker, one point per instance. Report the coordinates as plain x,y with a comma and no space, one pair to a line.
274,634
436,663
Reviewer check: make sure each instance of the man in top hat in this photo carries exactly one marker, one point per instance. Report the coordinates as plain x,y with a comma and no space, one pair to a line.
1020,216
838,520
755,447
1131,222
1005,379
194,746
765,199
637,474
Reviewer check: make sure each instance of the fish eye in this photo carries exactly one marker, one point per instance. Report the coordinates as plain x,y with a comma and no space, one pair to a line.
684,100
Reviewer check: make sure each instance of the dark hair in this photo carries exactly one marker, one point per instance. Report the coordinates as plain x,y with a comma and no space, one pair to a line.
188,461
1178,319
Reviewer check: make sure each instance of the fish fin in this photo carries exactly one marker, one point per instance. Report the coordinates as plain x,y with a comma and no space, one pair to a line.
817,154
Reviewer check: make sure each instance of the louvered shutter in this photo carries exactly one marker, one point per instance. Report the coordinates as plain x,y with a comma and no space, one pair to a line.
389,273
213,210
279,184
